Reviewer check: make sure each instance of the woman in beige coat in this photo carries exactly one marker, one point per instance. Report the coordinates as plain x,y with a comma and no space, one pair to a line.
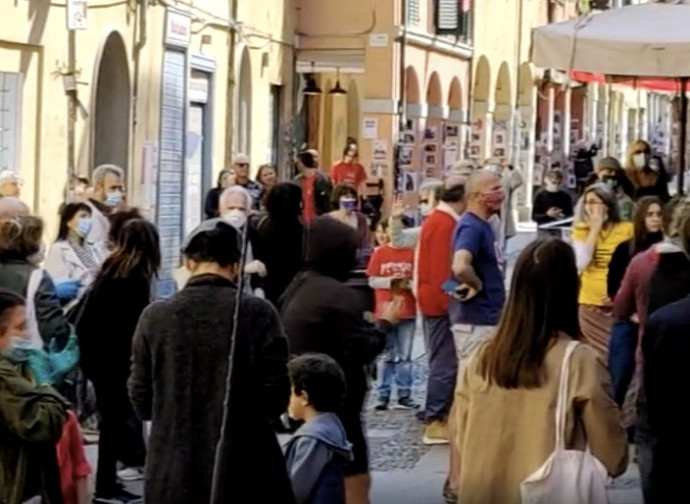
507,394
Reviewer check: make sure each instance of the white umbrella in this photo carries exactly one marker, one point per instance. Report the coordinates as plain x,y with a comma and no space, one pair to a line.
638,40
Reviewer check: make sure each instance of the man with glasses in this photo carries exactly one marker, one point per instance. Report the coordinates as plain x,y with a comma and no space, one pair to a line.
241,169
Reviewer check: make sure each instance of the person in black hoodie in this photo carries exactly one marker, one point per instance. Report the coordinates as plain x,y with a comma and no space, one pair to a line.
282,234
322,315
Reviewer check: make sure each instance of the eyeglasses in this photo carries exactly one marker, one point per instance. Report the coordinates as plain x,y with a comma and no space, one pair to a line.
242,165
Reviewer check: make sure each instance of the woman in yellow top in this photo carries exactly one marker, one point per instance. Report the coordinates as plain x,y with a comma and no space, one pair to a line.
597,233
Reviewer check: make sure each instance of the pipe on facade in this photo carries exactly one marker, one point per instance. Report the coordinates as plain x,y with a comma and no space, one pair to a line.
230,92
71,111
402,91
516,113
142,39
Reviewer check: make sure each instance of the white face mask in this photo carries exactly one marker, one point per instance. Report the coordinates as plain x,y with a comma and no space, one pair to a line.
114,198
551,187
640,160
236,218
425,209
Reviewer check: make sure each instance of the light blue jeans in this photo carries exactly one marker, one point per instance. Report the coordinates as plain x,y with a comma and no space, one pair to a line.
396,362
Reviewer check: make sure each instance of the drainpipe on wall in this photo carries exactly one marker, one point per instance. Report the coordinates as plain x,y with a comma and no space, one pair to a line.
230,92
516,113
71,92
136,60
402,91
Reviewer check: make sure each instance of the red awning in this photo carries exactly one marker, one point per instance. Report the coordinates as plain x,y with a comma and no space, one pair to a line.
650,83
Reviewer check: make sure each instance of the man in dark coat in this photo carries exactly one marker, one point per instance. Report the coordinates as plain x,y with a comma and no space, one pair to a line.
179,374
322,314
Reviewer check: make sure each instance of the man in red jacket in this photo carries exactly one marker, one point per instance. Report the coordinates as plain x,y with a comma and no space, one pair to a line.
434,262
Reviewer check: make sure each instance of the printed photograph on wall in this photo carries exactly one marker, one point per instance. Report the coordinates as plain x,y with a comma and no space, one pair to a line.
380,150
430,159
430,148
452,131
405,156
430,133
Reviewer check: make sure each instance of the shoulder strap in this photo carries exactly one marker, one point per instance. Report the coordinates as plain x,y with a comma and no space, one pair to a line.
562,401
31,319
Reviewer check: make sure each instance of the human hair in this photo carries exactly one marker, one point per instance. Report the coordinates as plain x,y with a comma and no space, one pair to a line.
321,378
101,171
350,146
137,252
340,191
8,301
429,185
239,190
607,196
555,174
118,220
67,213
82,180
221,175
542,304
261,170
641,234
668,212
383,224
219,245
307,159
454,193
20,237
284,201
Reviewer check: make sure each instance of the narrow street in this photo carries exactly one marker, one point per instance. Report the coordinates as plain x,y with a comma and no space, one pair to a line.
405,471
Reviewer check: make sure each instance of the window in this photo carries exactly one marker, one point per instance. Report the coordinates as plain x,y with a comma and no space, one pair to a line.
413,12
275,107
10,97
454,17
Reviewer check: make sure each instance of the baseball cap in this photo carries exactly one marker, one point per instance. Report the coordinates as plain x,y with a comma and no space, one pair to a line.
241,159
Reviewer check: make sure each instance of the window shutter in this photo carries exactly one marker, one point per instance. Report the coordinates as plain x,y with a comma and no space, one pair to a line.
10,97
413,12
447,17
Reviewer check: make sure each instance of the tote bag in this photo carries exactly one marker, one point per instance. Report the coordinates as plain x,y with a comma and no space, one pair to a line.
568,476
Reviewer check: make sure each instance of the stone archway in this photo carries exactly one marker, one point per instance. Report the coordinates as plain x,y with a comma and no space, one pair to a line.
112,105
434,91
243,111
455,95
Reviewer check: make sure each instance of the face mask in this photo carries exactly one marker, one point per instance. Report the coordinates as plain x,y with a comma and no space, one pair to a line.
425,209
551,187
236,218
348,204
16,347
640,160
39,256
83,226
610,181
114,198
494,200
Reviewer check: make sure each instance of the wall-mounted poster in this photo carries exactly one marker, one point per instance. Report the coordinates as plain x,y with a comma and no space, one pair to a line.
406,156
380,150
430,134
370,128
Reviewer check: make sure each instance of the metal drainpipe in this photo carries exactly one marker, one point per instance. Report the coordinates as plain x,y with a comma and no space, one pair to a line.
142,37
71,115
230,93
402,91
516,113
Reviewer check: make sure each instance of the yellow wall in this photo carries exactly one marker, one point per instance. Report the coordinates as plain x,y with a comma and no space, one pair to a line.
34,42
267,36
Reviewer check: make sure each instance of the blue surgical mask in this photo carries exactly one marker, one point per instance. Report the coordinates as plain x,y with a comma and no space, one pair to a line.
348,204
84,226
114,198
424,209
17,350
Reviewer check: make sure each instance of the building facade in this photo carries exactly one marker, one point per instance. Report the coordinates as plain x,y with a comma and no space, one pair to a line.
392,76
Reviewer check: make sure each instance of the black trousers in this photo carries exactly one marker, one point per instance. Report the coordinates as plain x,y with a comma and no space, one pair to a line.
121,433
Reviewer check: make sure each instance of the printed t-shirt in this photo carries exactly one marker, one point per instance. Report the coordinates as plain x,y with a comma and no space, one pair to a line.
309,206
351,174
387,261
593,280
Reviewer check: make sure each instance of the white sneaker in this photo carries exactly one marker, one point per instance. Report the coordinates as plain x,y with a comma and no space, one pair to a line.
130,474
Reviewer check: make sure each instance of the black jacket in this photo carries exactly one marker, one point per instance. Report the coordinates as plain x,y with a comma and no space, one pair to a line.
322,191
322,314
666,351
179,369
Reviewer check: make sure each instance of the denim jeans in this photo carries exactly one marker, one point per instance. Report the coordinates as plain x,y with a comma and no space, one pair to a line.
443,368
622,347
396,362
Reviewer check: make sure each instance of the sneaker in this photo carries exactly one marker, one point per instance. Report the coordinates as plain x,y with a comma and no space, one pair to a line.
436,433
121,496
406,403
381,405
130,474
421,415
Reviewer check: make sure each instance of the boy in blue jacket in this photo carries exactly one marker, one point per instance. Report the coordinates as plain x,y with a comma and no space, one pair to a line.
319,449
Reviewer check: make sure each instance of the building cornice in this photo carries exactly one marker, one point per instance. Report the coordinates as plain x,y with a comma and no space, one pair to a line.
436,43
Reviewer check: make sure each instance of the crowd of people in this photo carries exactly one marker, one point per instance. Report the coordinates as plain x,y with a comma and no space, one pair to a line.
289,296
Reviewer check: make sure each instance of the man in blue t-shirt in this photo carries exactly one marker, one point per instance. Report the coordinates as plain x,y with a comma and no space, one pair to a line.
477,300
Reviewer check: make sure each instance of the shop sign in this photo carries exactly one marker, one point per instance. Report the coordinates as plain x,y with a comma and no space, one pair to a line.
76,15
198,89
178,29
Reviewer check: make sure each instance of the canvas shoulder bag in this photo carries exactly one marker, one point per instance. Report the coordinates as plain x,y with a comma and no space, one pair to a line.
567,476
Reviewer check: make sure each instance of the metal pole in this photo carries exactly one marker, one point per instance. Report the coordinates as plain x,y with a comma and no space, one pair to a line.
71,111
230,92
682,134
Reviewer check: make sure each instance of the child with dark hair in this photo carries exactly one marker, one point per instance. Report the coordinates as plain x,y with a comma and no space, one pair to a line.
317,452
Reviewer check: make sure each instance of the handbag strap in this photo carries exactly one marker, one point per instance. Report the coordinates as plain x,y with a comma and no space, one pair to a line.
562,401
31,319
